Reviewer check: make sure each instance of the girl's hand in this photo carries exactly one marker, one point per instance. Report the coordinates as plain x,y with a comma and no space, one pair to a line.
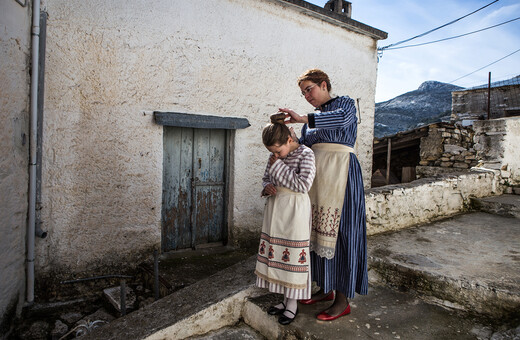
272,159
269,190
293,116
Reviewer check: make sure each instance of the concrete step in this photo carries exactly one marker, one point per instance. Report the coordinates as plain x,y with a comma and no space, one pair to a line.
382,314
504,205
470,261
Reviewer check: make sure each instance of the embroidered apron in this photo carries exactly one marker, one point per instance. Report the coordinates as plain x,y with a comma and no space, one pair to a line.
327,195
283,255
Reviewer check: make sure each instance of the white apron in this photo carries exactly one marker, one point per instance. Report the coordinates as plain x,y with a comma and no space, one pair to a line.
283,255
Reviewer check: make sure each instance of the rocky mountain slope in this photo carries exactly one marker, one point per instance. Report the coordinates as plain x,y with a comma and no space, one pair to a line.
430,103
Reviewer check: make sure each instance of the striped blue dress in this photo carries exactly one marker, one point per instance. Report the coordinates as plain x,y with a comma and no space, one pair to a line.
336,122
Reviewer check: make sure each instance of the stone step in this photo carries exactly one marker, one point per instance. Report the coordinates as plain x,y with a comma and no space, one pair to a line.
382,314
504,205
471,262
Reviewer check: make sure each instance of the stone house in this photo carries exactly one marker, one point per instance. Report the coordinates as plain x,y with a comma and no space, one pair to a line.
496,100
140,124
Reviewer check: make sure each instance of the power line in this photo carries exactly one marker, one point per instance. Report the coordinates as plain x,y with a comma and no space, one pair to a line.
430,31
496,61
457,36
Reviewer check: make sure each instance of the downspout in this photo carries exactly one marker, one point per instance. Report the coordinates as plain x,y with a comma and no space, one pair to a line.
35,32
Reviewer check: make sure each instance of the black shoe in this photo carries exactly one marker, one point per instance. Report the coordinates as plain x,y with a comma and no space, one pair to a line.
285,320
276,311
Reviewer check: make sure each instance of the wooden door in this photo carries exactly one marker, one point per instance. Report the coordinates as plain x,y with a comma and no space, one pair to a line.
194,185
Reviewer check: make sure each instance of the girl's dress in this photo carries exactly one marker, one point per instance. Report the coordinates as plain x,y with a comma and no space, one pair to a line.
346,271
283,260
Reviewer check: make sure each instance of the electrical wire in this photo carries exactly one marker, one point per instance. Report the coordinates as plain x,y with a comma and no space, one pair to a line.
457,36
430,31
496,61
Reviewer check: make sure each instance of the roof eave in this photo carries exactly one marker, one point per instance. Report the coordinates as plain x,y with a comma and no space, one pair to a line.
335,18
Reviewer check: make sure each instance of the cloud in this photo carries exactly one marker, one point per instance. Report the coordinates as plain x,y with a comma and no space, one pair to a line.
403,70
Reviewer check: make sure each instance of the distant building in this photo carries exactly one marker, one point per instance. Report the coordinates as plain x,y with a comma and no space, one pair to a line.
471,104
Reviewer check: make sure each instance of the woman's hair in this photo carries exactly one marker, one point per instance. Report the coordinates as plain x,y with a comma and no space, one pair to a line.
316,76
277,132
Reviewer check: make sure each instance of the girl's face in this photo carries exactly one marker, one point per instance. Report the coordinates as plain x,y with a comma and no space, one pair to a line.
281,151
315,94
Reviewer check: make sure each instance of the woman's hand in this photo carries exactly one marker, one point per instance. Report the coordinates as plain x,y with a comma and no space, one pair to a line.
272,159
269,190
293,116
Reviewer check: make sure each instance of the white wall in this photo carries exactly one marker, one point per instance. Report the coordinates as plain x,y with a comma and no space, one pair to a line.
110,63
395,207
511,150
14,90
496,143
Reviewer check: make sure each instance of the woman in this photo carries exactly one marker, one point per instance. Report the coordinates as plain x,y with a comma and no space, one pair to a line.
338,239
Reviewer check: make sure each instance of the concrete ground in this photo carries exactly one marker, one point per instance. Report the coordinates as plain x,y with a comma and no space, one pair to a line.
471,261
454,279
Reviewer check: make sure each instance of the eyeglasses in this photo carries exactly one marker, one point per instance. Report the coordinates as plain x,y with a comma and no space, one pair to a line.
307,90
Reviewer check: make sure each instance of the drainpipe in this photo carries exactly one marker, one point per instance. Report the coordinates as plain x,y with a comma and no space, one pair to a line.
35,32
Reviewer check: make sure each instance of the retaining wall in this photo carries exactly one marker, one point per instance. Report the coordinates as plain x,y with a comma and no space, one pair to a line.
395,207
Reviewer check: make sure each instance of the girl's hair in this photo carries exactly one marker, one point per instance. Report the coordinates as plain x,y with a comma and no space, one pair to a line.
276,133
316,76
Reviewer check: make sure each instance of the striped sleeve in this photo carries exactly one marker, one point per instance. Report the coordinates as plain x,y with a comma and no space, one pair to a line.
344,115
266,180
290,178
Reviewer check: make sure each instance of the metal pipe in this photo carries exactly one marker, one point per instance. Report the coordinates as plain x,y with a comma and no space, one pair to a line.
156,275
114,276
489,97
35,51
388,160
123,297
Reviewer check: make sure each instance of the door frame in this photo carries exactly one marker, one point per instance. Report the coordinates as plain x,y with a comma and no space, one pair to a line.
198,121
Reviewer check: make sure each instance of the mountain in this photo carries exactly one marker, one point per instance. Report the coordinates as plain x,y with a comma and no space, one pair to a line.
430,103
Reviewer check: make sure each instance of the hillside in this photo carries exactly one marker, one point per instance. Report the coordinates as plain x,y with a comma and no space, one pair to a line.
430,103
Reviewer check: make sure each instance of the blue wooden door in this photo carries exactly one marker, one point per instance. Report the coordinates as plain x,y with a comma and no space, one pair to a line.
193,211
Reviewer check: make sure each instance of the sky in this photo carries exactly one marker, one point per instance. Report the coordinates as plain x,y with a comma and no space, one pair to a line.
404,70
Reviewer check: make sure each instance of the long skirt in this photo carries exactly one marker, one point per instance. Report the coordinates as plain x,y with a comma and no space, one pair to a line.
347,271
283,260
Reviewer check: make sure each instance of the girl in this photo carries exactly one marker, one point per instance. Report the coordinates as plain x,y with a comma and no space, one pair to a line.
283,256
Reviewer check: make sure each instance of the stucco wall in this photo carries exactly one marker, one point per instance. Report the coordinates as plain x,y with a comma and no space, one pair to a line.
14,91
394,207
110,63
496,143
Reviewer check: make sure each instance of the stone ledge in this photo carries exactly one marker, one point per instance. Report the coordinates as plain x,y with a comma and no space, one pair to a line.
207,305
395,207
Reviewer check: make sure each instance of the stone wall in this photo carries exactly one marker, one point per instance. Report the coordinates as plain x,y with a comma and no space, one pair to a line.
497,144
109,64
15,41
448,146
394,207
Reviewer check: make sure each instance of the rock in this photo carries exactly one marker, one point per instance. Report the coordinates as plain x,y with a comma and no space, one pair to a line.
461,165
100,314
453,149
60,329
38,331
71,318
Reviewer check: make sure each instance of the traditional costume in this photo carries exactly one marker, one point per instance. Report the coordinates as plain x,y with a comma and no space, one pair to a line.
283,262
338,240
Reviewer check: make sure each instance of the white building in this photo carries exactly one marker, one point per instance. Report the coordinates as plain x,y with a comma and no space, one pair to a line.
151,123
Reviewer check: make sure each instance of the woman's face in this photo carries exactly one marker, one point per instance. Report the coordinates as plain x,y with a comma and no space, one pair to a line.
315,94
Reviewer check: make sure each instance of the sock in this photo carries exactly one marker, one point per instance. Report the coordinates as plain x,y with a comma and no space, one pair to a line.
291,305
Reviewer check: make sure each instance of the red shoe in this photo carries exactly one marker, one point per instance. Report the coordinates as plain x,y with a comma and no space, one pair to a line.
326,317
328,297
